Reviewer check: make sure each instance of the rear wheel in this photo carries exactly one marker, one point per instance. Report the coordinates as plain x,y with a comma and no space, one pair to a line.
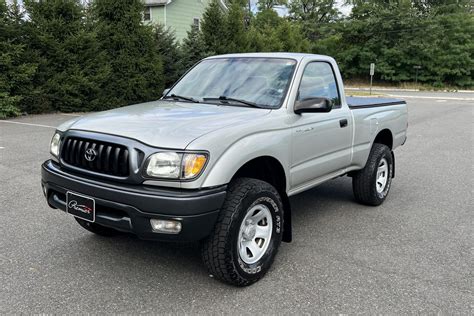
97,229
247,233
372,183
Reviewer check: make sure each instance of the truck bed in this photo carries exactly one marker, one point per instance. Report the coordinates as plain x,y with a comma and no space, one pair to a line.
362,102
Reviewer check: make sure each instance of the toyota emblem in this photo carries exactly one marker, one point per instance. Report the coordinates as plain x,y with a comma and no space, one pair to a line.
90,154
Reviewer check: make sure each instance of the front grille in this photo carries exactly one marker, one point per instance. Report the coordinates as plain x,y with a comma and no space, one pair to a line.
110,159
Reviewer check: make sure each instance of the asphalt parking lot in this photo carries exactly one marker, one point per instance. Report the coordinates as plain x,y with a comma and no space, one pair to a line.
413,254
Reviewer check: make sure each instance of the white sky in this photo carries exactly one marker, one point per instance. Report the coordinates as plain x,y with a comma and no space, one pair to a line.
340,4
345,9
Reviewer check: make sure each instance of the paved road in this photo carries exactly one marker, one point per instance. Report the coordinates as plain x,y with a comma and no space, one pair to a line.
437,95
412,254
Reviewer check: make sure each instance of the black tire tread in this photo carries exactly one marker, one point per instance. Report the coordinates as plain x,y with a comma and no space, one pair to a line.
214,250
362,181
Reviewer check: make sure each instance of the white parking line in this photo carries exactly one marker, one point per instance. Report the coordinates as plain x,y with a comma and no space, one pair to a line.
428,97
403,90
70,114
2,147
28,124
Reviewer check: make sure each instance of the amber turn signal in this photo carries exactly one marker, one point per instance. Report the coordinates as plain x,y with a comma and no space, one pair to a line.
193,165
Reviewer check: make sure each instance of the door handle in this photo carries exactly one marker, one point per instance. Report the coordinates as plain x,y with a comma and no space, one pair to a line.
343,123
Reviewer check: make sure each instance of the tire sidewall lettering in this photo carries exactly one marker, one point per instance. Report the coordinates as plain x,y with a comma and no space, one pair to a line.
384,193
257,267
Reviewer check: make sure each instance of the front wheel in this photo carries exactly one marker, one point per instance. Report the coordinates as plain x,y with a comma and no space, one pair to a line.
247,234
372,184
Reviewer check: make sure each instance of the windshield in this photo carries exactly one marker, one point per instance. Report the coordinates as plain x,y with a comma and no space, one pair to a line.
237,81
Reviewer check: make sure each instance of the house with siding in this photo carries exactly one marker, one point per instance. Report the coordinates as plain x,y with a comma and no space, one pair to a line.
179,15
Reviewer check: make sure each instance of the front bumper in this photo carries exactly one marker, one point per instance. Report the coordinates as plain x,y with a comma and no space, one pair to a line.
129,208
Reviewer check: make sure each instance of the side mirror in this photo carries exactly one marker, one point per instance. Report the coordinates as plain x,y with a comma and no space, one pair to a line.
165,92
313,105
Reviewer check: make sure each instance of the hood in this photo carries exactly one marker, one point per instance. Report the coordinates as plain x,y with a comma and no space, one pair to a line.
164,124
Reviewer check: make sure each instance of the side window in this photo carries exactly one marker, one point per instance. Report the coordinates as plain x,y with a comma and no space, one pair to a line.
197,23
318,81
147,14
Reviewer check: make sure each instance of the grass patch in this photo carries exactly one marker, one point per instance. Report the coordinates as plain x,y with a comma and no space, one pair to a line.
354,93
354,83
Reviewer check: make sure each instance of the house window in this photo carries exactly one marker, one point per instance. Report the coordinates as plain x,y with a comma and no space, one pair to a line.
147,14
197,23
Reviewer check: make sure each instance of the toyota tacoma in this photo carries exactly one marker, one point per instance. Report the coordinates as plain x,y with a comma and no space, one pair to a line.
216,159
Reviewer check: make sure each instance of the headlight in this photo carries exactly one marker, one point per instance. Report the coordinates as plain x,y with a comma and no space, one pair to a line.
172,165
164,165
55,143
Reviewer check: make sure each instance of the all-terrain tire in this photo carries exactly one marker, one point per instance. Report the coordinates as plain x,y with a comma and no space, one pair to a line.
97,229
220,251
364,181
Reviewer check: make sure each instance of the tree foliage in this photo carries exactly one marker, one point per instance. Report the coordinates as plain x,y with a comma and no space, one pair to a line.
235,38
401,35
75,55
213,29
314,10
168,48
270,4
193,49
270,33
69,59
16,71
135,71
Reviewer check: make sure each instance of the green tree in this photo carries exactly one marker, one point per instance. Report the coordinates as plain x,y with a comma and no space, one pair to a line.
193,49
267,18
135,68
167,46
270,32
68,57
213,29
316,11
399,35
436,7
314,16
270,4
236,38
448,48
16,71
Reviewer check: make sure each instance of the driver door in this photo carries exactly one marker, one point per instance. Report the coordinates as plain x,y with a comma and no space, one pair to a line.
321,142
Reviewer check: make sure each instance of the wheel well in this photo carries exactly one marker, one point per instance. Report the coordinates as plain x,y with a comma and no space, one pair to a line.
264,168
384,137
270,170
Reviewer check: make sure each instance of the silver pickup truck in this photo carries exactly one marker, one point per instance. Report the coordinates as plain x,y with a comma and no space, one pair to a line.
216,159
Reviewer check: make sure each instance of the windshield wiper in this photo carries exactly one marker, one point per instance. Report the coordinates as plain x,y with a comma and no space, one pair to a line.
180,97
226,100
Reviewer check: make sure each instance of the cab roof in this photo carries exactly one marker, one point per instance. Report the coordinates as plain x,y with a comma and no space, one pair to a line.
297,56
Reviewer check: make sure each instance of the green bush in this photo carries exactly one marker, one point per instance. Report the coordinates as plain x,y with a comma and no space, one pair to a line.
9,105
133,65
72,55
16,69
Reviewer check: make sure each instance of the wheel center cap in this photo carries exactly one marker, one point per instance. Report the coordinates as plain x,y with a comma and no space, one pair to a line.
249,232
